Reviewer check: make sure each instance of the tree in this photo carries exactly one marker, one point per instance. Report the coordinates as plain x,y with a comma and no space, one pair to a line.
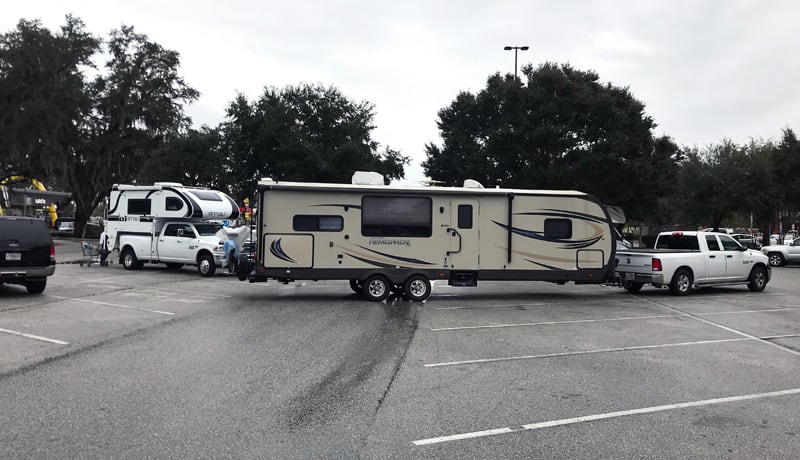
305,132
195,157
787,170
563,130
91,133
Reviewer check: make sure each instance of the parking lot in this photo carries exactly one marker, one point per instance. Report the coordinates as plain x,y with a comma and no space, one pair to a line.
161,363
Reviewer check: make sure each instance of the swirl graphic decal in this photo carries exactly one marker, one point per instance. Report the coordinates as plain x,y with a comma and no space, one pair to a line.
276,250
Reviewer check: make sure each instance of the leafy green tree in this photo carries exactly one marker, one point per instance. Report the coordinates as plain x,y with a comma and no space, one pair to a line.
305,132
562,130
787,170
195,157
89,132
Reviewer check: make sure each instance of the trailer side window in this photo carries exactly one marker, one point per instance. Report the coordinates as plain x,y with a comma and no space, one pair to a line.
560,229
173,204
140,206
465,216
303,223
396,216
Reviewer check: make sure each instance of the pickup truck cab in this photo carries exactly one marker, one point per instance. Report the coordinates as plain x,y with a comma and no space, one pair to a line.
177,244
682,260
781,254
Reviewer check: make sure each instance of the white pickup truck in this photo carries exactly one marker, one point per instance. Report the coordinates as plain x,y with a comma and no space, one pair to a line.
682,260
177,243
781,254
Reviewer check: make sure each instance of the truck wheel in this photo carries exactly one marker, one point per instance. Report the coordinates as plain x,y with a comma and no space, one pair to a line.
681,282
417,288
355,285
631,286
129,261
205,265
776,259
36,286
758,279
376,288
174,265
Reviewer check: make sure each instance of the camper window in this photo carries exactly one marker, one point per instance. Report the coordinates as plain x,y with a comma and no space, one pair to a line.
396,216
465,216
318,223
139,206
206,195
173,204
560,229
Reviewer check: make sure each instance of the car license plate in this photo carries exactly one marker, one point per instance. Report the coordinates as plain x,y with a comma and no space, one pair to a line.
13,256
629,276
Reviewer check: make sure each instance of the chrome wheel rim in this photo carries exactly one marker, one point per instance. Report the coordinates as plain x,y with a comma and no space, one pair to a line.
774,260
683,283
759,279
376,288
417,288
204,265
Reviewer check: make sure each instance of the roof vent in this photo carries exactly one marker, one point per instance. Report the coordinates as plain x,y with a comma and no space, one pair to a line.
472,183
367,178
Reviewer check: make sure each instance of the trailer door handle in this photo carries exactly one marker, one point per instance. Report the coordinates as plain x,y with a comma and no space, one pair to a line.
712,257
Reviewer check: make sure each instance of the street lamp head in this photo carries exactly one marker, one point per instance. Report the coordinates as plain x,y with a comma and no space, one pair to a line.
524,48
507,48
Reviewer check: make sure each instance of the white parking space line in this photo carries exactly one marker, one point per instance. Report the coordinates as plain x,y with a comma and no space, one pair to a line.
604,416
34,337
725,328
539,304
605,350
176,291
114,305
602,320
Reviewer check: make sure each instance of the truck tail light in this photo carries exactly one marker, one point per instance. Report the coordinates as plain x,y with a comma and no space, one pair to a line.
656,264
52,254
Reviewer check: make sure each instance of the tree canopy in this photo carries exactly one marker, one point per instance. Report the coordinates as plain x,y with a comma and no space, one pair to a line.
92,132
304,133
563,129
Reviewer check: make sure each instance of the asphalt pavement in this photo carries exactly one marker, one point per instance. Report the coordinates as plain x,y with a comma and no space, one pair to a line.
110,363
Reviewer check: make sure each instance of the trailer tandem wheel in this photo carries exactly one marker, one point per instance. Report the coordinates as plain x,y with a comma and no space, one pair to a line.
376,287
417,288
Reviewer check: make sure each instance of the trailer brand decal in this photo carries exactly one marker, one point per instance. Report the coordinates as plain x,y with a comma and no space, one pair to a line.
402,259
276,250
382,242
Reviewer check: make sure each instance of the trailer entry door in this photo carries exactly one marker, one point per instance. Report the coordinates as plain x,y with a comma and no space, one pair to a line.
464,233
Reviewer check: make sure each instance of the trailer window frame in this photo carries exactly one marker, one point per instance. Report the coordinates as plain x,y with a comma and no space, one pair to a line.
173,203
464,216
396,216
558,229
317,223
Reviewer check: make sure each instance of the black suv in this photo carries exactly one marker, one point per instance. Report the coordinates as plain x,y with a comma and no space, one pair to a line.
27,254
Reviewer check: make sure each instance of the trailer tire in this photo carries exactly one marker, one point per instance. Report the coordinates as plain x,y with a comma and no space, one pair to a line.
205,265
681,283
758,279
376,288
355,285
417,288
631,286
129,261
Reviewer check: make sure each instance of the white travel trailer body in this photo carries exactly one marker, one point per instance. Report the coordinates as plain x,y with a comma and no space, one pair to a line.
168,223
390,238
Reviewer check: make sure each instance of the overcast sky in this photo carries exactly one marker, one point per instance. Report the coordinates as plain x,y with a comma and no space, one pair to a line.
706,70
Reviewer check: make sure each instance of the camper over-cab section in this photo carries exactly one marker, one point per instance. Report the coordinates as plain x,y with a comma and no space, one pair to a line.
389,238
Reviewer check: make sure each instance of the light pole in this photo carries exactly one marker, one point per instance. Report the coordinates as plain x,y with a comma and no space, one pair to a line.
516,49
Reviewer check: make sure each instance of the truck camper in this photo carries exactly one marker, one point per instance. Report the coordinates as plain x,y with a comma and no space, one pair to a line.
168,223
399,238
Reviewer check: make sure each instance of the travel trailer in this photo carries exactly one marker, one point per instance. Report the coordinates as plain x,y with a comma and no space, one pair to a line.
168,223
390,238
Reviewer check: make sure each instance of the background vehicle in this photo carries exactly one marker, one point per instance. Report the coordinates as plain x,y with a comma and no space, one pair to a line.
66,227
27,254
781,254
745,239
681,260
168,223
